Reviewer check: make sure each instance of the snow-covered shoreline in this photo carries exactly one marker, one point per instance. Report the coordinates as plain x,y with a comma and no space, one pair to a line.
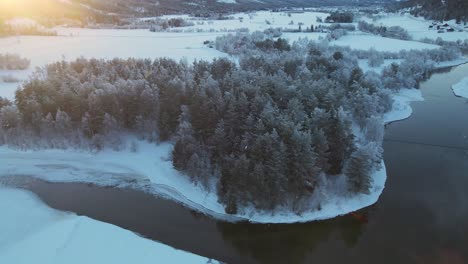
62,237
150,169
461,88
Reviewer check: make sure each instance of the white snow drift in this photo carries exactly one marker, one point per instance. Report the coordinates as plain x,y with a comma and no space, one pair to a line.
461,88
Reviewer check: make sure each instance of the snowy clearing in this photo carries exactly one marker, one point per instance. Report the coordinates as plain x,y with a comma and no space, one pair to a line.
34,233
260,20
364,64
401,108
363,41
418,27
106,44
461,88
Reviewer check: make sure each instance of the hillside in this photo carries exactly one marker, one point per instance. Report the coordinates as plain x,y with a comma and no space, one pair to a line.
439,10
111,11
51,11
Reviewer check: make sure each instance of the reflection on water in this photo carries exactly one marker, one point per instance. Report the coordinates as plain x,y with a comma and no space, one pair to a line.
422,216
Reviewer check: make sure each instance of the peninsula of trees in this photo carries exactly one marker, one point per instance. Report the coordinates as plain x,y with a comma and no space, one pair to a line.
263,131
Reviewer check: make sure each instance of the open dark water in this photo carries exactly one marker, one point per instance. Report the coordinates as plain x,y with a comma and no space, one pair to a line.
421,217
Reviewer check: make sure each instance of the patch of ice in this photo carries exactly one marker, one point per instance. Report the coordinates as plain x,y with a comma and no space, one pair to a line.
461,88
401,108
418,27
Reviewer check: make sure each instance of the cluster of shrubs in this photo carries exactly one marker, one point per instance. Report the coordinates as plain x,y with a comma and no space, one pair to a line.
395,32
13,62
165,24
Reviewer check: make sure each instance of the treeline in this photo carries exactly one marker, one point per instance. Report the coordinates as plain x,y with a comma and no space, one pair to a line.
340,17
164,24
13,62
25,30
263,131
395,32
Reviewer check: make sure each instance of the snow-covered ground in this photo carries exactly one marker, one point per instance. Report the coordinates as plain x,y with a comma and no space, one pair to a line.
103,43
260,20
21,21
31,232
363,41
401,108
418,27
461,88
150,168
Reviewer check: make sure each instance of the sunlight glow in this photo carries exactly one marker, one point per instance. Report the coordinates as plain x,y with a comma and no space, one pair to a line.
29,7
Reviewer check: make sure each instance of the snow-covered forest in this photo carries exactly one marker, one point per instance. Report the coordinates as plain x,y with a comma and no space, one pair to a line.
262,131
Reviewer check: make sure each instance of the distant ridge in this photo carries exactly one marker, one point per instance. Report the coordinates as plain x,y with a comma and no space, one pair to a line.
438,9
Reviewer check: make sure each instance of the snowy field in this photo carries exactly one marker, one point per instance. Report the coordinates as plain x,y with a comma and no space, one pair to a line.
31,232
111,43
363,41
461,88
418,27
364,64
103,43
253,21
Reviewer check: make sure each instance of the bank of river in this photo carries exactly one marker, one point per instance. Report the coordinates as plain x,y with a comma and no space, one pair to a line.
421,217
